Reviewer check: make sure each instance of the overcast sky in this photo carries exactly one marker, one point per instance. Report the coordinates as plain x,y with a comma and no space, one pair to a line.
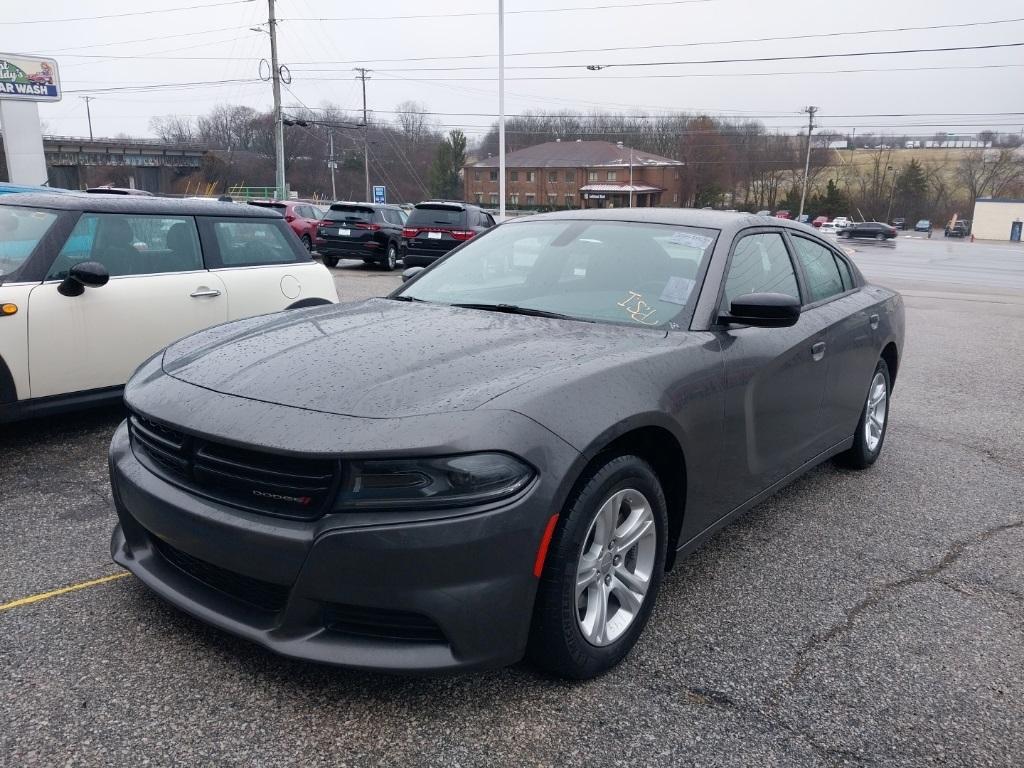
215,43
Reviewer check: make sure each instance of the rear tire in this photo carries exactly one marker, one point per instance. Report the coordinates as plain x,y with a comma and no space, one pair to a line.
879,237
611,538
308,243
330,261
873,423
391,260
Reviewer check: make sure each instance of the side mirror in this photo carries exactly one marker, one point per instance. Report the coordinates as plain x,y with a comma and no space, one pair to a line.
85,274
764,310
289,217
411,272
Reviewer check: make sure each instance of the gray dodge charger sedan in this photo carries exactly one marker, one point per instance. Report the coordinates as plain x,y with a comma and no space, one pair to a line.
503,457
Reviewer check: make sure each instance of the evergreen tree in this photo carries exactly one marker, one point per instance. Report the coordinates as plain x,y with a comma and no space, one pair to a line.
444,173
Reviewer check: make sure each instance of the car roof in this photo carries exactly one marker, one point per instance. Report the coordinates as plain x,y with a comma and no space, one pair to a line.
457,204
684,217
342,204
75,201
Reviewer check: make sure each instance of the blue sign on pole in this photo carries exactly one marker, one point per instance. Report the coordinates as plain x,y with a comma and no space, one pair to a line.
380,194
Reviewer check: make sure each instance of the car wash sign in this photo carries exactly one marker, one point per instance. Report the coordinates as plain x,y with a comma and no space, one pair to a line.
29,78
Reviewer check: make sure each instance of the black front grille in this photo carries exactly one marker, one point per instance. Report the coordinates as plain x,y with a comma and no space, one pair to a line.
382,623
261,594
261,482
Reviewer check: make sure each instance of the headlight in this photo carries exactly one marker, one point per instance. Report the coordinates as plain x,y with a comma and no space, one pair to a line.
451,481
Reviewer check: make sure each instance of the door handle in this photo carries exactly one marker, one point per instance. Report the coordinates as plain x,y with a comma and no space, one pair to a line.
204,291
818,351
874,321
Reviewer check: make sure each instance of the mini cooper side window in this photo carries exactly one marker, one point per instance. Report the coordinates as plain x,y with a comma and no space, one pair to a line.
760,264
131,245
251,243
819,265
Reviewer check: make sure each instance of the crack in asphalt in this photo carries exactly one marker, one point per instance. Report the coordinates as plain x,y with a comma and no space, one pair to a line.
964,441
878,594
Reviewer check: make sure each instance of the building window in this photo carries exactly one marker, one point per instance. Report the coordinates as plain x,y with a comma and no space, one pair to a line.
494,175
592,176
570,201
531,199
513,175
552,201
513,200
553,177
570,176
494,198
476,175
675,197
611,175
531,176
479,198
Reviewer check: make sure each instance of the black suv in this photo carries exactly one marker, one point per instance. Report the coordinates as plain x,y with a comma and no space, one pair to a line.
437,226
960,228
364,231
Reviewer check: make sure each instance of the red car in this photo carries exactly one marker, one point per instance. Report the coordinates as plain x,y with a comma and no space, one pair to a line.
818,221
303,218
783,215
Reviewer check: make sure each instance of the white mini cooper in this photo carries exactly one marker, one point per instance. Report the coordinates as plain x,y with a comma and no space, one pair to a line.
92,285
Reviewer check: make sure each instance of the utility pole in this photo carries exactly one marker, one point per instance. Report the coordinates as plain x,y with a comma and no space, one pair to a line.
892,192
366,140
630,177
88,114
282,192
501,110
332,164
807,162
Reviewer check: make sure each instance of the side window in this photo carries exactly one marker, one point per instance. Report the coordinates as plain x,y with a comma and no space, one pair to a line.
131,245
760,264
844,272
819,265
488,220
254,242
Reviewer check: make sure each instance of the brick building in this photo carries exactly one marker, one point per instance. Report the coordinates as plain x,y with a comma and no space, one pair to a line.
576,174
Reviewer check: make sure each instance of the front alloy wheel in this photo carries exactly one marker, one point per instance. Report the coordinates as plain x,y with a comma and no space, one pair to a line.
615,567
603,570
392,258
870,433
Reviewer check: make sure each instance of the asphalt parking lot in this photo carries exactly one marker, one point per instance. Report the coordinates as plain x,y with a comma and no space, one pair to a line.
872,618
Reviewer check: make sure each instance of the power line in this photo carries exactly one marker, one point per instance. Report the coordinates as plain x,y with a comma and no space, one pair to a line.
148,12
145,40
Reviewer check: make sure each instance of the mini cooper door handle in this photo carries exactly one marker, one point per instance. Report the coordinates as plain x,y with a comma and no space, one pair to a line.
874,321
818,351
204,291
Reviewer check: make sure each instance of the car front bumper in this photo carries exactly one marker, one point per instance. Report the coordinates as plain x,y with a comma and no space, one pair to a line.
425,596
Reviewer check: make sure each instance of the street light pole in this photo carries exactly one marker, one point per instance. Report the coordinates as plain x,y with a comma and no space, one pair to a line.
366,137
334,192
281,193
892,192
501,109
630,177
88,113
807,162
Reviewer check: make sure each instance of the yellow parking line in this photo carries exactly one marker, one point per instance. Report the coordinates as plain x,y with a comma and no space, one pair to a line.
63,590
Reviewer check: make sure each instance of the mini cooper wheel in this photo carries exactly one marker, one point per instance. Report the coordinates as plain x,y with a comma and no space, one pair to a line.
870,434
604,570
391,260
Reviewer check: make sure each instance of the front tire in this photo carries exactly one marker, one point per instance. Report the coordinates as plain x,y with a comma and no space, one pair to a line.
879,237
874,420
330,261
604,569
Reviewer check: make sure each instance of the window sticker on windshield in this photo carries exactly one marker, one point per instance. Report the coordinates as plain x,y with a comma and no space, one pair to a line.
691,239
638,309
677,290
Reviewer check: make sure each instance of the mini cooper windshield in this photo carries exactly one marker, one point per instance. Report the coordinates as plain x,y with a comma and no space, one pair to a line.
605,271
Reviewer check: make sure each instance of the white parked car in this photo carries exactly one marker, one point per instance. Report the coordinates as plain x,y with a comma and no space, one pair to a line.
93,285
841,222
828,228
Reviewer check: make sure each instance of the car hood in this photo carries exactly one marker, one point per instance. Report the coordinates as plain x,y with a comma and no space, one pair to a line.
383,358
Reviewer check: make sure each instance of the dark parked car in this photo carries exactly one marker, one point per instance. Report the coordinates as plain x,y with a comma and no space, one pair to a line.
504,456
437,226
303,218
875,230
924,225
366,231
899,223
959,228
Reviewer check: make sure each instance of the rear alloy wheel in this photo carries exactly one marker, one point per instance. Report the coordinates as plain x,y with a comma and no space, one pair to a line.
391,260
604,570
870,434
879,236
307,242
330,261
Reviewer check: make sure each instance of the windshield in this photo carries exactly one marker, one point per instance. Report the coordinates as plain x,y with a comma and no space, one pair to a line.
433,217
21,229
608,271
350,214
